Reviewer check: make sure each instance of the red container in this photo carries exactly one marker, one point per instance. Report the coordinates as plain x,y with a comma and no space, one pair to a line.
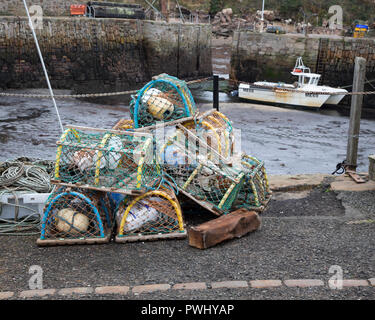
78,9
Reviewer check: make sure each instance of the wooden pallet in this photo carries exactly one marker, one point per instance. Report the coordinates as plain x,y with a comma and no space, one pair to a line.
151,237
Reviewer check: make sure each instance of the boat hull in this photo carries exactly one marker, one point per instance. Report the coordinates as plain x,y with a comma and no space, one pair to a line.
277,96
336,98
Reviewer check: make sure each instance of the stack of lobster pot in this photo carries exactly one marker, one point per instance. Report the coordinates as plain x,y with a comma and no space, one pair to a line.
127,181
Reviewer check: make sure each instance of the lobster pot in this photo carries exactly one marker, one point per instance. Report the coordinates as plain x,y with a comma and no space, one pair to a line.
216,130
165,98
153,215
106,161
123,125
200,173
255,193
76,216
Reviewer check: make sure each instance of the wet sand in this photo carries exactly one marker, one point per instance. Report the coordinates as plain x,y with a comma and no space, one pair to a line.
290,141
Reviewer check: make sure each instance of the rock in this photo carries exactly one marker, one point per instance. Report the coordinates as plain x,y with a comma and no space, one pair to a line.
267,14
227,11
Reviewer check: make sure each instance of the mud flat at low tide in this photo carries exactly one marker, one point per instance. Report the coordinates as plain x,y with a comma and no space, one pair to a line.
290,141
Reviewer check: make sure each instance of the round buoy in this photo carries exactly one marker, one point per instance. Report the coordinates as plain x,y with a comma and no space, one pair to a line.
158,104
72,222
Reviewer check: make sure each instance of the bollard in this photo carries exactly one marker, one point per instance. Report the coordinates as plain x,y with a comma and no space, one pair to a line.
216,93
355,113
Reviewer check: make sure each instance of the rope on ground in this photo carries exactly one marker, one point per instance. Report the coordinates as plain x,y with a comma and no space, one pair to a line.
19,177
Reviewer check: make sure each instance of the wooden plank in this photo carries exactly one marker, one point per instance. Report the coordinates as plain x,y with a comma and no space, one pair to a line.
104,189
130,133
233,225
371,167
64,242
355,113
151,237
357,178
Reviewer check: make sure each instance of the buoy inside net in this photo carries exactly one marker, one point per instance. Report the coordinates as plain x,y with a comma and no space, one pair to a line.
155,212
78,214
165,98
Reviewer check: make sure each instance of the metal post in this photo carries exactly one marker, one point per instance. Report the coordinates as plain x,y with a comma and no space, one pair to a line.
216,93
262,19
355,113
43,65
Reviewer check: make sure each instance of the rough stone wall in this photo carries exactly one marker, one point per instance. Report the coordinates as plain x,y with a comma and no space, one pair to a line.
339,57
180,49
91,55
257,57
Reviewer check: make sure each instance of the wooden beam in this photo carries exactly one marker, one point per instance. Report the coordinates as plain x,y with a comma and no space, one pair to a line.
233,225
64,242
130,133
371,167
355,113
151,237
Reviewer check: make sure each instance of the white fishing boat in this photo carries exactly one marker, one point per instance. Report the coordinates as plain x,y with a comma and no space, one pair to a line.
305,92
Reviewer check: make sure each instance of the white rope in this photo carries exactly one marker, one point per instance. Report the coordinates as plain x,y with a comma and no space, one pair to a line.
43,65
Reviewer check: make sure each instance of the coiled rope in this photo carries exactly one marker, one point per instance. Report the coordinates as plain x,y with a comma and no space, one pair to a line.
17,177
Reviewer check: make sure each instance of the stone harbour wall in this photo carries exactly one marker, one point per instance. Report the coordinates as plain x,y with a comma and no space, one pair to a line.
88,55
264,56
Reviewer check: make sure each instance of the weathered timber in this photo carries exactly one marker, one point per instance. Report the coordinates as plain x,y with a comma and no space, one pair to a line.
233,225
151,237
355,113
371,168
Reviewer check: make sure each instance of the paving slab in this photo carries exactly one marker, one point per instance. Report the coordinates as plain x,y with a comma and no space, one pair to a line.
297,182
350,185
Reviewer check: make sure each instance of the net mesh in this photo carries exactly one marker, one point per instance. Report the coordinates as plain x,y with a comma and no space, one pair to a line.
155,212
165,98
199,171
76,214
106,160
123,125
216,130
255,193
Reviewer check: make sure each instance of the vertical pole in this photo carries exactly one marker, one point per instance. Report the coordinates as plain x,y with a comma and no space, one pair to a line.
355,113
43,65
216,93
262,18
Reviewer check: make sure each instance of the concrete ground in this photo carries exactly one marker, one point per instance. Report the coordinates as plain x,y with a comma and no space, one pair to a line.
304,233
